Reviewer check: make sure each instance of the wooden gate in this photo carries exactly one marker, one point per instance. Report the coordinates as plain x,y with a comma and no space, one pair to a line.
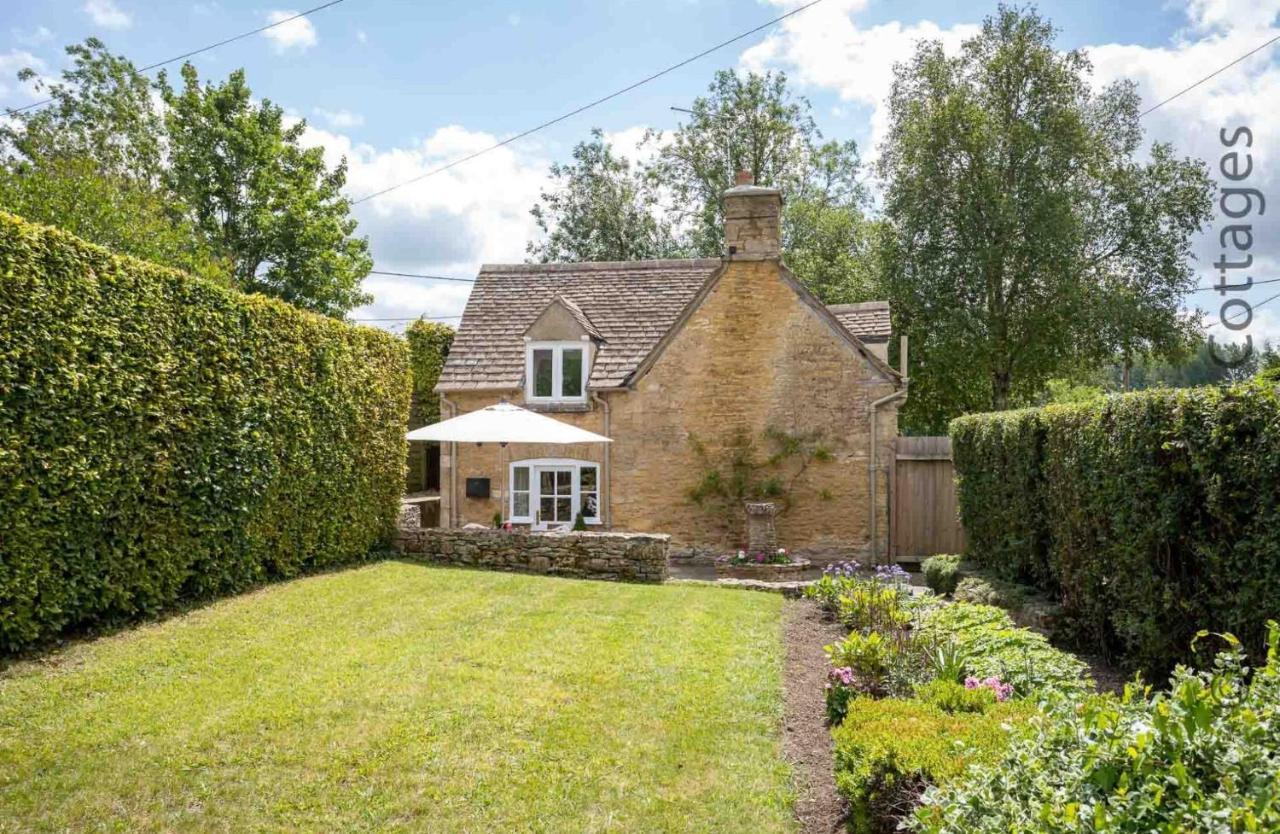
926,519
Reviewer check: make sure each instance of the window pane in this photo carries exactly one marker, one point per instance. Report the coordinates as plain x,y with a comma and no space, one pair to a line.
542,372
521,509
521,478
571,372
587,479
564,482
546,506
564,509
546,482
590,506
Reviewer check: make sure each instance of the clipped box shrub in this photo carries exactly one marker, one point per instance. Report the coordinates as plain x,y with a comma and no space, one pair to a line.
1148,515
888,751
941,573
164,439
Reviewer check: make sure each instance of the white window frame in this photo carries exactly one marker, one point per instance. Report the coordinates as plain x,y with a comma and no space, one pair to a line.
557,371
536,464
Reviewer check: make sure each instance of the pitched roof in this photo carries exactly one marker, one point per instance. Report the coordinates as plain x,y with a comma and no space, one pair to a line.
628,306
868,320
578,316
631,304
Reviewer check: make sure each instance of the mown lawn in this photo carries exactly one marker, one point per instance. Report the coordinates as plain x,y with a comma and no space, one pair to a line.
404,697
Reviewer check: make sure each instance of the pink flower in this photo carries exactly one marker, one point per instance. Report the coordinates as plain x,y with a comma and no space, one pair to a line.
970,683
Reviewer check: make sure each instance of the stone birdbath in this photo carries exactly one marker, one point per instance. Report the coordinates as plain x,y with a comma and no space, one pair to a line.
763,560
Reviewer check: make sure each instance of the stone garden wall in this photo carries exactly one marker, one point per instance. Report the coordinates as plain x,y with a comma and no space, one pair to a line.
631,557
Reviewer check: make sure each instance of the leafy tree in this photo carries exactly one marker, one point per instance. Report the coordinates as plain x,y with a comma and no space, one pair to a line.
605,209
754,123
204,179
113,211
600,209
91,162
1024,239
271,205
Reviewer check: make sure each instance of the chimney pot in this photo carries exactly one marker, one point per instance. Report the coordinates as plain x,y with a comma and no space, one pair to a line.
743,177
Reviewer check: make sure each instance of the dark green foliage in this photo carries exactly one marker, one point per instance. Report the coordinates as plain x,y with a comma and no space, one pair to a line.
941,573
164,439
1150,515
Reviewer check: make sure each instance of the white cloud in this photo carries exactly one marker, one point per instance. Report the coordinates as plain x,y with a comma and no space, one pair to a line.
107,14
11,63
340,119
32,37
296,34
447,224
825,47
362,36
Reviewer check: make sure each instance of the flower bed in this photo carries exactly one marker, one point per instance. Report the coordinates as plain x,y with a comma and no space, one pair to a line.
921,688
775,566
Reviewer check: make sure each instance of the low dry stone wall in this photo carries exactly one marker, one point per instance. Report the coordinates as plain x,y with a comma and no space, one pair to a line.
631,557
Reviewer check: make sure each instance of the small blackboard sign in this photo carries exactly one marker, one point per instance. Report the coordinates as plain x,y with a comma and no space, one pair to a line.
477,487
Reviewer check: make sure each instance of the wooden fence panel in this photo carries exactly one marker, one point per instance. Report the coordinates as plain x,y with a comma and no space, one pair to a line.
926,518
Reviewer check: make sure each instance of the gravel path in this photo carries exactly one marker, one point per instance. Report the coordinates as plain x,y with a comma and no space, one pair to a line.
806,738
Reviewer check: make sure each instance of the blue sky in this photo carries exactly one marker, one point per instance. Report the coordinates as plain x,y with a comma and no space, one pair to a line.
401,87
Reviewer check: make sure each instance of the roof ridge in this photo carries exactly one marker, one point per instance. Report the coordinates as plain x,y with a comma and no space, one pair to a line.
858,305
599,266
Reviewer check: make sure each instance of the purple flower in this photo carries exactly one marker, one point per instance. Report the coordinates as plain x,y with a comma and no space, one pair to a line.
842,675
970,683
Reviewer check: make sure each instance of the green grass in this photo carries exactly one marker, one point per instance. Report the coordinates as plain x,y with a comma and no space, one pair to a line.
403,697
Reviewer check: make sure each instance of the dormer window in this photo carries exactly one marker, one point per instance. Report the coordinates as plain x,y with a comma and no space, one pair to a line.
556,371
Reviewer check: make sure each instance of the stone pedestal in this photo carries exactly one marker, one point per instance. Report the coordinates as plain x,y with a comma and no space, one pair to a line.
410,517
762,536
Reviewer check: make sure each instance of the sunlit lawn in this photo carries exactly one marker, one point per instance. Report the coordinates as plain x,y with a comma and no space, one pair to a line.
403,697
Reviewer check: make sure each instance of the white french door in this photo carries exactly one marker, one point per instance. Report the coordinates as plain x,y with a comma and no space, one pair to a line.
553,496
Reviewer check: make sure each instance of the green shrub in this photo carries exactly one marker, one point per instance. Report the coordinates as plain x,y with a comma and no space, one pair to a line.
993,646
952,697
941,573
888,751
1148,515
989,591
163,439
1204,756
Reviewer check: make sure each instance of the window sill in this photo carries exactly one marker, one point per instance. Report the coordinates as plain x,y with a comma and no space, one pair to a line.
580,406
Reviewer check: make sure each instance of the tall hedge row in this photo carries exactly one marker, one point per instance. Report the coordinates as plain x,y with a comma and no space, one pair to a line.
1150,515
165,439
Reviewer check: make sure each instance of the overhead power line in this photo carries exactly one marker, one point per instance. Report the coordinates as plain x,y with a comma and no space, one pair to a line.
413,318
416,275
1250,311
1254,284
194,52
442,168
1213,74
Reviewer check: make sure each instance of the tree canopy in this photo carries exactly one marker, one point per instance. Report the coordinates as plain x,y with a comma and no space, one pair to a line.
1025,237
605,207
205,179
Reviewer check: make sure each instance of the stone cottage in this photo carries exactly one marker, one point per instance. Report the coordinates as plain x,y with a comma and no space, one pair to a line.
698,369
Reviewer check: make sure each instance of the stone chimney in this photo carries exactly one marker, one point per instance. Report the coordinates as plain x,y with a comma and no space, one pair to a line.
752,219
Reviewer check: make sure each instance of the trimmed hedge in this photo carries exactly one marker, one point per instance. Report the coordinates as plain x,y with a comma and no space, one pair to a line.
163,439
888,751
1150,515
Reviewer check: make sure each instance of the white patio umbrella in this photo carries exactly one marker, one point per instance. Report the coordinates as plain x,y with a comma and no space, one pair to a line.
502,424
